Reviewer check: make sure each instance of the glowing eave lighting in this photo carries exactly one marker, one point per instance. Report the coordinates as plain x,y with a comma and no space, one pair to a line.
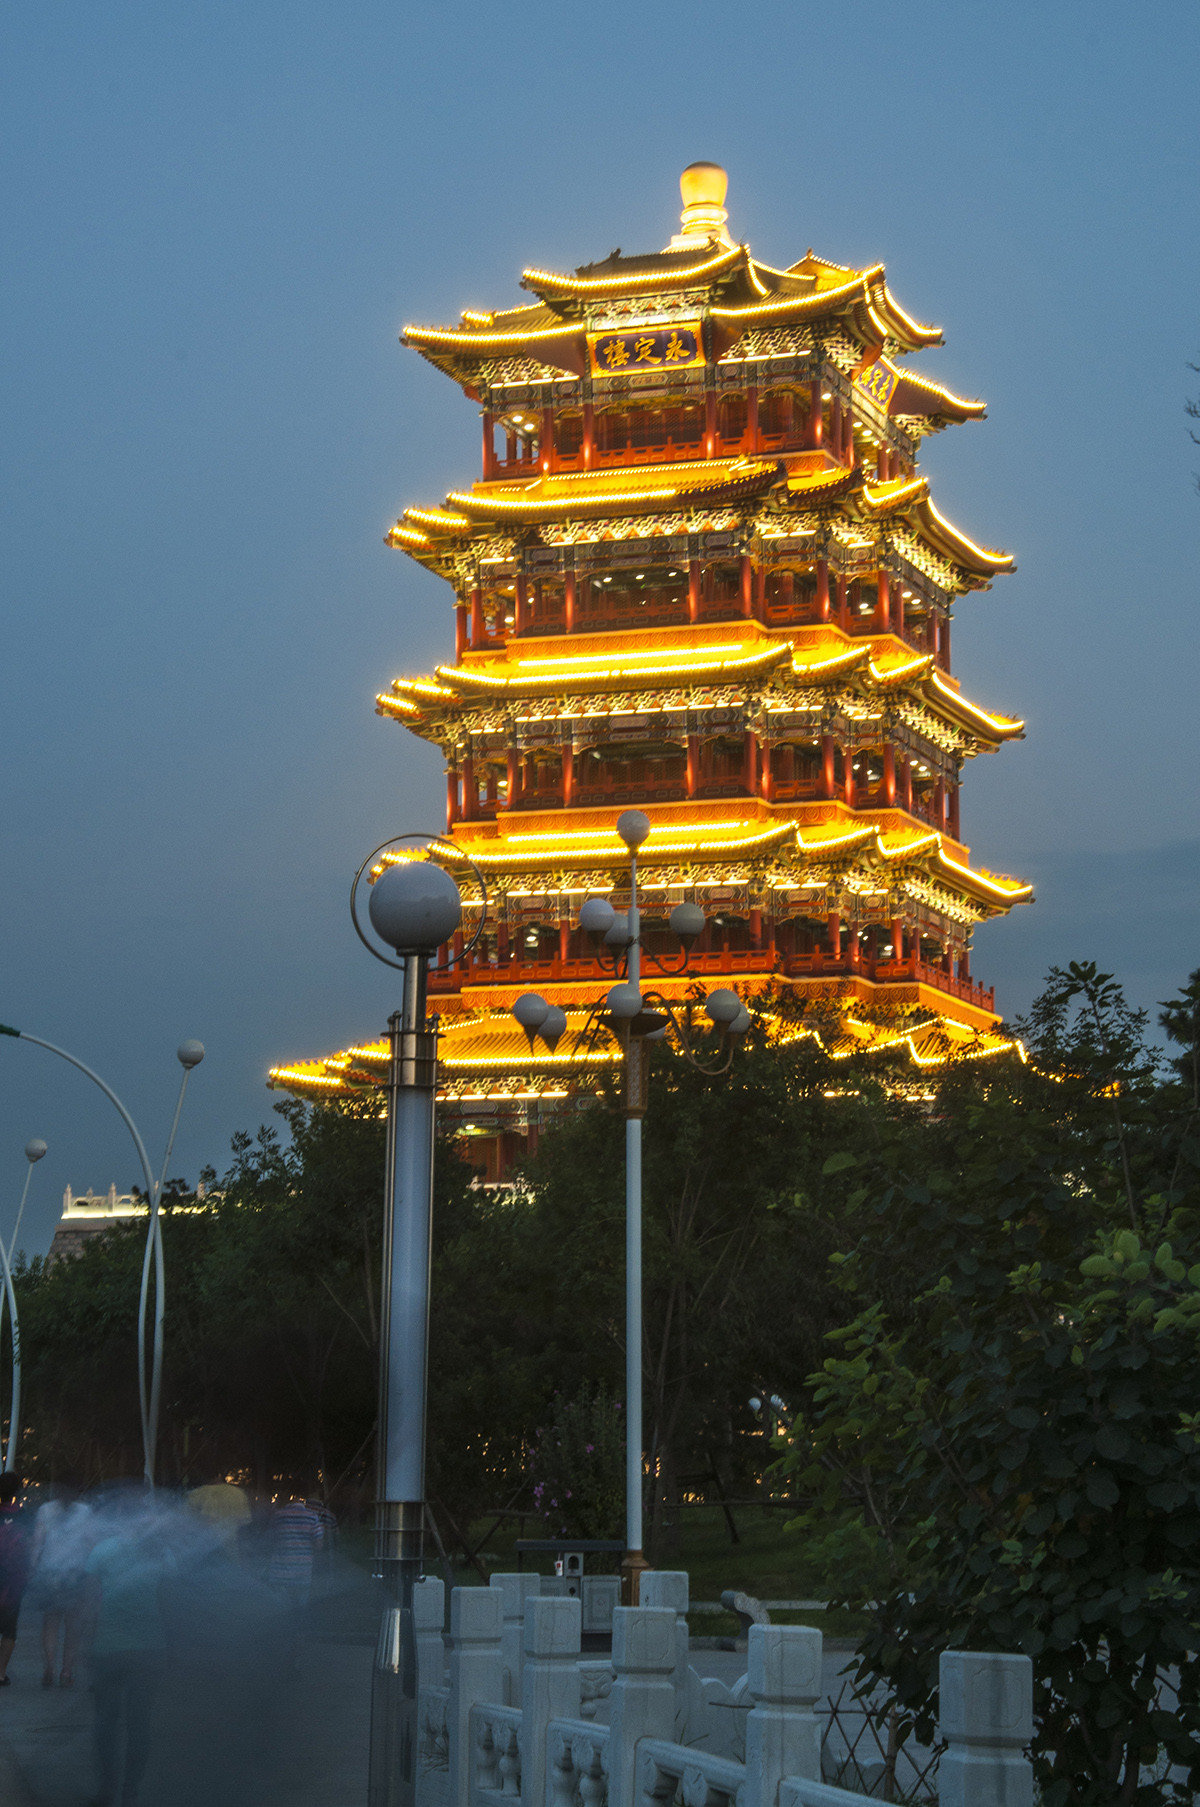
996,559
977,878
397,702
445,335
437,517
647,280
619,673
735,646
410,536
1006,723
803,304
890,674
924,331
592,834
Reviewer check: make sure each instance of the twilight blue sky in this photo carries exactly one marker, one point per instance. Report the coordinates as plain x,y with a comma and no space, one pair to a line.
216,220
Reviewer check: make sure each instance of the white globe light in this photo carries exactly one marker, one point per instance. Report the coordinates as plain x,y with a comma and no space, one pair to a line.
415,906
531,1011
618,934
633,825
723,1007
687,921
625,1002
554,1026
596,916
189,1054
35,1150
741,1023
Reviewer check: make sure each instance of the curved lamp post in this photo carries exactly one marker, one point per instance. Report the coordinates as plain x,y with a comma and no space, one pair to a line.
190,1054
636,1019
34,1150
414,907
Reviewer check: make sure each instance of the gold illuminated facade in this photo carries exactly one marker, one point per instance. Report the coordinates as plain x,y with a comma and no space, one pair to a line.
701,574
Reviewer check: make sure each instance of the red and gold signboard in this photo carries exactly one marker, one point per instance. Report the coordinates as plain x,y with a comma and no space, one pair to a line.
678,347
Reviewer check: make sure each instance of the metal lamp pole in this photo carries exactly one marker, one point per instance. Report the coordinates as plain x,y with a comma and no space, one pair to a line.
414,907
635,1021
34,1150
190,1053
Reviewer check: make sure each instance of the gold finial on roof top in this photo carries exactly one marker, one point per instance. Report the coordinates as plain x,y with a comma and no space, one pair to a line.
703,187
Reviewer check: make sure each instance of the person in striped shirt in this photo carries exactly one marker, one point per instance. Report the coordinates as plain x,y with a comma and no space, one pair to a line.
296,1533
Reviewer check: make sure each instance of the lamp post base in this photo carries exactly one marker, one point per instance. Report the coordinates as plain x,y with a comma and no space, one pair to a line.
393,1746
633,1567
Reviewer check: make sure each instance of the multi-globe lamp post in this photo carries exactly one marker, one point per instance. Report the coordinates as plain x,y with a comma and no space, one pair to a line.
636,1020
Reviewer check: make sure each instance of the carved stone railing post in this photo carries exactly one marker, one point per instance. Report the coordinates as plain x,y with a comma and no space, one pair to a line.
645,1652
783,1733
669,1587
429,1616
516,1590
476,1674
986,1714
550,1684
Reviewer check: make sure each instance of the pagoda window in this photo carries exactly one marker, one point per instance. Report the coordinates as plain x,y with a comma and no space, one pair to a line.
720,590
862,605
546,606
791,596
731,422
568,438
517,433
685,428
612,432
656,593
781,416
499,609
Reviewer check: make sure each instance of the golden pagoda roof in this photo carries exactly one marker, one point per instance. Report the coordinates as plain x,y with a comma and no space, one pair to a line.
704,656
908,498
485,1054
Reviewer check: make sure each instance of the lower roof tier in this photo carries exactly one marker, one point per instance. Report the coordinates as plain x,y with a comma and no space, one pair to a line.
770,847
484,1055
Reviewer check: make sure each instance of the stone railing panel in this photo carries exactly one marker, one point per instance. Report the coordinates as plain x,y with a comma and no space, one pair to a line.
986,1717
666,1770
783,1733
517,1589
550,1684
643,1696
495,1754
476,1675
576,1764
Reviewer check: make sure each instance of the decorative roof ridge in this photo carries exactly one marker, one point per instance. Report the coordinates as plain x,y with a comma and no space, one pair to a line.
927,384
558,283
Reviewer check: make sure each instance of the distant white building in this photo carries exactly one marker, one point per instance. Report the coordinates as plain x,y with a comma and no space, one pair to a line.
88,1214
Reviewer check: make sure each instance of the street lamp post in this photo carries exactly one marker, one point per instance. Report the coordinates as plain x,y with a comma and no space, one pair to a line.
635,1020
190,1053
34,1150
414,907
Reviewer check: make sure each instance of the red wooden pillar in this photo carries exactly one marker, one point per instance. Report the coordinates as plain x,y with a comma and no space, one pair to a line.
939,805
710,423
693,764
885,602
946,644
848,437
569,602
835,429
520,605
514,778
889,775
827,771
478,630
954,789
766,780
760,593
750,762
747,584
898,610
897,938
589,435
451,798
822,589
881,465
843,605
908,784
693,589
752,417
547,446
833,934
470,795
460,632
568,776
848,777
564,941
756,930
489,445
816,425
964,965
947,959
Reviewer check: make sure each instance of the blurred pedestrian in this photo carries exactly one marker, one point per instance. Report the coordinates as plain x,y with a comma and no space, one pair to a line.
14,1568
64,1531
125,1575
296,1535
224,1507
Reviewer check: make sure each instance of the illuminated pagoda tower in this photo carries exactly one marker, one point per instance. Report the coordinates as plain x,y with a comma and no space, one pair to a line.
701,574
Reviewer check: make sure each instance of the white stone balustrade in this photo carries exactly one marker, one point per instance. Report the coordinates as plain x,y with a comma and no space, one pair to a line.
669,1587
516,1589
986,1716
480,1750
476,1676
